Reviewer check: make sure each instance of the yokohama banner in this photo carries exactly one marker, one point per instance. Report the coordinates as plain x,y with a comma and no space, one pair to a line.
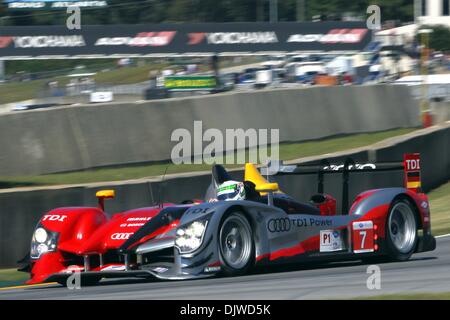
181,39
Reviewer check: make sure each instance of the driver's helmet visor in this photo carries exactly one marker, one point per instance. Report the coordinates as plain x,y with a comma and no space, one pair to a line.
228,192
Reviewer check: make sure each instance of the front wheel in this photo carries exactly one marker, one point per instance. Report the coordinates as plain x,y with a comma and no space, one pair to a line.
401,230
236,245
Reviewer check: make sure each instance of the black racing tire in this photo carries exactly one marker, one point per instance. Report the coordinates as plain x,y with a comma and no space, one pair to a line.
401,230
236,245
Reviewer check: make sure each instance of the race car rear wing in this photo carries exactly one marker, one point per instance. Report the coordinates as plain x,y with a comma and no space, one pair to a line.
410,166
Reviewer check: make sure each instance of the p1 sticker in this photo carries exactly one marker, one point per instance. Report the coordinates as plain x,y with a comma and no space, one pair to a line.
330,240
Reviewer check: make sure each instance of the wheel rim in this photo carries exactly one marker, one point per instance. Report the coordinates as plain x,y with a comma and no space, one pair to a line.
402,227
235,242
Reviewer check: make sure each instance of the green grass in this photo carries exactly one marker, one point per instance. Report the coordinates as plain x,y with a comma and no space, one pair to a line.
440,209
312,148
409,296
127,75
12,277
19,91
288,151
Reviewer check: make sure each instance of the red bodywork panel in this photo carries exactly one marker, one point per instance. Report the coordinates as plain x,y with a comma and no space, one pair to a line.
377,215
89,231
328,207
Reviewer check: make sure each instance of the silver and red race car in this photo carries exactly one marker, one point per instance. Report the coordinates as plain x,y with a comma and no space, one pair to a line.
201,239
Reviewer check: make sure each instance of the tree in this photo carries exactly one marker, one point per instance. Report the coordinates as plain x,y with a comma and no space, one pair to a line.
156,11
439,39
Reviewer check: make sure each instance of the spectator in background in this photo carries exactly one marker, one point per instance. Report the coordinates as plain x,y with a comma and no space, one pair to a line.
241,77
167,72
152,76
124,62
340,78
347,78
182,71
191,68
53,88
72,86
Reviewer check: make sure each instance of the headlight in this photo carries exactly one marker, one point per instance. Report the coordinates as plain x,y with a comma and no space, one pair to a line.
40,235
43,241
190,237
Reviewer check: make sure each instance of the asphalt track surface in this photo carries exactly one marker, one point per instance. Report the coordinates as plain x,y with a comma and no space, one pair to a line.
425,272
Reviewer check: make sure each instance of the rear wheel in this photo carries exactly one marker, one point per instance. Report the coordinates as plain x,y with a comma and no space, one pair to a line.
401,230
236,245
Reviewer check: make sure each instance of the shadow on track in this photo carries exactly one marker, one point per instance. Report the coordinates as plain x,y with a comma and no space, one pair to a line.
282,268
328,265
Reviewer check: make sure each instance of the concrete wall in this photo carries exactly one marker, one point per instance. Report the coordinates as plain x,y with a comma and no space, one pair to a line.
21,210
75,138
440,110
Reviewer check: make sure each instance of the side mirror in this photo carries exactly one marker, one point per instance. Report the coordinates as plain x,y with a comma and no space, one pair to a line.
270,188
102,195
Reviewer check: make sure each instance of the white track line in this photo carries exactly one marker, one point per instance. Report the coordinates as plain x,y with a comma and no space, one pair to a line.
443,236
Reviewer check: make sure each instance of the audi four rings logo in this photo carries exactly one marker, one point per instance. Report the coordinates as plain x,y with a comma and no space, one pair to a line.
121,236
279,225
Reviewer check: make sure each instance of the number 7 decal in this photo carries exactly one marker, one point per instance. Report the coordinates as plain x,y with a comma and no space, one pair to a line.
363,237
363,234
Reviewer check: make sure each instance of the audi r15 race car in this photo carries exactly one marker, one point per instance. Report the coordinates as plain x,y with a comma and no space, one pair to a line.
198,239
